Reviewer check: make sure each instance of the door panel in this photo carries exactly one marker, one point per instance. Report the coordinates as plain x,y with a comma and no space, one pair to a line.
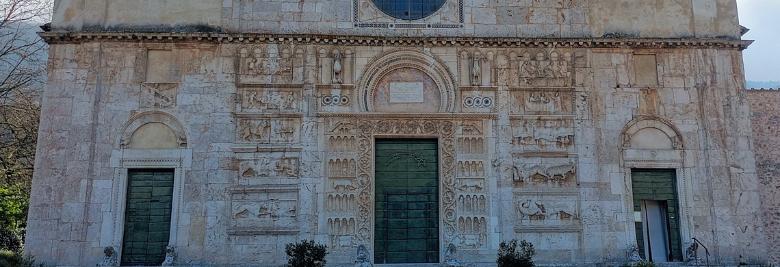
658,187
147,216
406,202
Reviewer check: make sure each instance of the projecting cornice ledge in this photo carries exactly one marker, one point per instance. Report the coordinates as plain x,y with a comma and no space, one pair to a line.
82,37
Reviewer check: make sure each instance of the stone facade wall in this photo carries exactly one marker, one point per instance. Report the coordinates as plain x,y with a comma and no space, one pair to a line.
252,122
766,119
269,124
506,18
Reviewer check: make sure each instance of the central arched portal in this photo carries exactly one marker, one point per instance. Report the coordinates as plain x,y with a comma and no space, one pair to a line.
406,201
407,81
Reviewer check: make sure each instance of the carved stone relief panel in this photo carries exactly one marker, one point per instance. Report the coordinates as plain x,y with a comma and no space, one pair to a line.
537,212
268,130
268,167
471,145
158,95
544,68
336,65
535,174
271,64
471,128
264,210
543,135
476,68
336,98
543,102
269,100
367,129
478,100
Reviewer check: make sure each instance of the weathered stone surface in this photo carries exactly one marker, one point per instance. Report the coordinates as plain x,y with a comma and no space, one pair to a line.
272,138
766,120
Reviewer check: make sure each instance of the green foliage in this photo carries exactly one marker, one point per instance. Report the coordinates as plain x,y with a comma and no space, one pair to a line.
509,255
9,240
306,254
16,259
642,263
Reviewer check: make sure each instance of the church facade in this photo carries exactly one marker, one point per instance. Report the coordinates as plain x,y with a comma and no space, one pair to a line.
213,133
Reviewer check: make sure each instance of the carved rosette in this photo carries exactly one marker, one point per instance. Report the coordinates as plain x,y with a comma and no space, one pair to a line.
445,130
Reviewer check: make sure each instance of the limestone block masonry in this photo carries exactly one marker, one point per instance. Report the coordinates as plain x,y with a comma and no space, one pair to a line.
268,112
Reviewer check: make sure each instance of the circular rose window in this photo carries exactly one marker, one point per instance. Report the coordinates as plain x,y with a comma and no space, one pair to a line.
409,9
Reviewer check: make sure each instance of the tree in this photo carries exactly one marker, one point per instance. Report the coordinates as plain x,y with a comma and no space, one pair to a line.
22,76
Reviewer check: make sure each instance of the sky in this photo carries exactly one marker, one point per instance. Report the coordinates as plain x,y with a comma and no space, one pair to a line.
762,58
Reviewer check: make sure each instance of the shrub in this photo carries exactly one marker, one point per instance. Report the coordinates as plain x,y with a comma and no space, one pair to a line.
9,240
509,255
16,259
642,263
306,254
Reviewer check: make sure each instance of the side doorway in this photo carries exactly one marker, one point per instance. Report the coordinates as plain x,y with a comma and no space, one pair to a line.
147,216
656,214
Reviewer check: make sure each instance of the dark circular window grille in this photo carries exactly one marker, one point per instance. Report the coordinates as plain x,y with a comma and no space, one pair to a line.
409,9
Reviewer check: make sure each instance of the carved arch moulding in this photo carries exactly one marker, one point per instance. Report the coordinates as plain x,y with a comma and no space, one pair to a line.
142,119
656,124
408,63
366,131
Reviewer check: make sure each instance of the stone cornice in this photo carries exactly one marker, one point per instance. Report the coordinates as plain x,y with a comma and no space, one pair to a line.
247,38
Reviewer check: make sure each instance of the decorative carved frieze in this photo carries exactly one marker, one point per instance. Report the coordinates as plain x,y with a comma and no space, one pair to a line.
342,143
471,169
543,135
534,174
471,128
265,100
269,130
543,102
342,232
471,185
158,95
472,204
341,203
539,175
472,231
367,129
341,168
543,68
546,212
478,99
271,64
471,145
270,166
264,210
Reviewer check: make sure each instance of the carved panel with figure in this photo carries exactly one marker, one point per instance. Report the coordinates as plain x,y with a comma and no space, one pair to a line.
544,68
158,95
546,212
265,100
264,167
271,64
534,174
269,130
543,135
543,102
264,210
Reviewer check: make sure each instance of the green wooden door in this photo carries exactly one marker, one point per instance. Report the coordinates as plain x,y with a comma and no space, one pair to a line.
406,201
147,216
659,186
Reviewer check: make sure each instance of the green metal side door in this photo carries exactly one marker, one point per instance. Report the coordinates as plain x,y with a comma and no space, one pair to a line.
147,216
407,202
658,185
